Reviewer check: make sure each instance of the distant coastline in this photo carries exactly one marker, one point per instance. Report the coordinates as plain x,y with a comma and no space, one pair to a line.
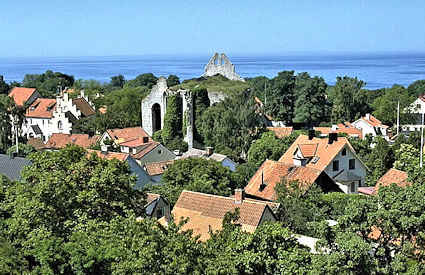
378,70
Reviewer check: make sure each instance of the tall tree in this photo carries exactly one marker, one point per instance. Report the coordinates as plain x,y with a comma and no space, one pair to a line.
4,87
48,83
280,97
348,99
118,81
311,106
147,80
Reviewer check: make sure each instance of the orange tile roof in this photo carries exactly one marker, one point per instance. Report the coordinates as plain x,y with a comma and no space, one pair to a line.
109,155
393,176
157,168
206,212
21,94
41,108
345,128
58,141
145,150
126,134
137,142
373,121
281,132
325,152
308,150
271,173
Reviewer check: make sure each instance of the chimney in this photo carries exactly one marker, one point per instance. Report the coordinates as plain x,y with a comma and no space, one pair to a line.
104,149
311,134
239,196
367,116
145,139
209,150
334,127
332,137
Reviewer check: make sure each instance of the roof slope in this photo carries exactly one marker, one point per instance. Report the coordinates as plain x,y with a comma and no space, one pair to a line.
126,134
41,108
157,168
344,128
373,121
206,212
12,167
20,95
109,155
83,106
393,176
147,147
281,132
58,141
325,152
271,173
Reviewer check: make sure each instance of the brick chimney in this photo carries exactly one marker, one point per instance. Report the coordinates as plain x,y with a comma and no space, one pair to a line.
239,196
209,150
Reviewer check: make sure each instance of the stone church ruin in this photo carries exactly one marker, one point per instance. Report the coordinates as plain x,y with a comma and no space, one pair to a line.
153,107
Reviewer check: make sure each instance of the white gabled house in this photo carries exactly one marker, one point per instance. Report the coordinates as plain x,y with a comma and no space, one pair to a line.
370,125
417,109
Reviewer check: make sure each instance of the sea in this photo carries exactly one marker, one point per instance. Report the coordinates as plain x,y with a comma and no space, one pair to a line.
378,70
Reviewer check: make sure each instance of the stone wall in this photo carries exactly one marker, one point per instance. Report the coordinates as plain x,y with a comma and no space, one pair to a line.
157,95
220,64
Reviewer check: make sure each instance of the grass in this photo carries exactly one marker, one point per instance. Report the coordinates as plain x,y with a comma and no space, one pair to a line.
215,83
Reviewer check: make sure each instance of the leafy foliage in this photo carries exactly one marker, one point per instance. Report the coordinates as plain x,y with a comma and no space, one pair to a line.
215,83
4,87
47,83
146,80
24,150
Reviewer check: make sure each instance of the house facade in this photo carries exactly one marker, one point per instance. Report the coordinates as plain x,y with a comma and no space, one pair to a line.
157,207
334,155
417,109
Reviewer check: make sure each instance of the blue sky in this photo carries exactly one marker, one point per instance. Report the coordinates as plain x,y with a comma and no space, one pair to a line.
131,27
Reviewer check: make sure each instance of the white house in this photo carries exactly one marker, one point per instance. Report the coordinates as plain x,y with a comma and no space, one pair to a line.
417,108
334,155
370,125
46,116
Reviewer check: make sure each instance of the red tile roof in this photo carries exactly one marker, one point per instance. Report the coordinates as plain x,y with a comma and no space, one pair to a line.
58,141
281,132
271,173
345,128
109,155
393,176
206,212
41,108
37,143
126,134
325,152
373,121
137,142
308,150
157,168
21,94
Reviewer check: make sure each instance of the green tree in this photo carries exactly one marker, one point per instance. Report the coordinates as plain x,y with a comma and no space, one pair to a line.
172,120
48,83
386,105
417,88
173,80
196,174
269,147
348,99
118,81
147,80
4,87
311,106
231,125
24,150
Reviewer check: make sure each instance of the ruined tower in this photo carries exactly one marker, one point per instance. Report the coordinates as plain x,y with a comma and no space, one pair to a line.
220,64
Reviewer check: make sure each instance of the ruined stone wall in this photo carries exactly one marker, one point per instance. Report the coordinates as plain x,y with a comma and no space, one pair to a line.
157,95
216,97
220,64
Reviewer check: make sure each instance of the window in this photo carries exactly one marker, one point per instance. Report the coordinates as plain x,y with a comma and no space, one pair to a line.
159,152
352,164
344,152
60,125
353,187
335,165
160,212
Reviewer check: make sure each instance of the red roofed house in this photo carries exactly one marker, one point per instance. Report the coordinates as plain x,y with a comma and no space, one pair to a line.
334,155
392,176
46,116
135,168
59,141
23,95
206,212
343,128
369,125
136,142
154,170
270,174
